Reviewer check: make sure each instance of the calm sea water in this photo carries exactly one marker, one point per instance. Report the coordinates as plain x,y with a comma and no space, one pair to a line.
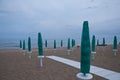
14,43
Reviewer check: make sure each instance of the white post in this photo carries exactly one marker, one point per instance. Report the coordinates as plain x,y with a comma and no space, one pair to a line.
54,50
41,64
115,52
93,55
29,54
40,59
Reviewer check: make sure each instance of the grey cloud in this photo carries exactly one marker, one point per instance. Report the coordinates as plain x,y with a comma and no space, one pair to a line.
63,16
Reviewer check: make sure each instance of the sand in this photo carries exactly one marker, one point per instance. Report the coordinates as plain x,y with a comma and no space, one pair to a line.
16,66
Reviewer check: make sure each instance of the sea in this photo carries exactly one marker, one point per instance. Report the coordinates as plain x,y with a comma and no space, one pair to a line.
14,43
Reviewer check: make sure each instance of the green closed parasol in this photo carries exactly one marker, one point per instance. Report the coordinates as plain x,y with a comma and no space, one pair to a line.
97,42
40,49
54,44
68,46
61,43
85,54
40,46
24,45
85,49
72,43
93,43
103,41
93,46
115,45
29,47
46,43
20,44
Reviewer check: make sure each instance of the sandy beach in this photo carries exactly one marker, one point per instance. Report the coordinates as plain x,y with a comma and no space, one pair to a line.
16,66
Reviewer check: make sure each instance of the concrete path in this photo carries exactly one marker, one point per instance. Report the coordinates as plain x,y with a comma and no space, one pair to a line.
108,74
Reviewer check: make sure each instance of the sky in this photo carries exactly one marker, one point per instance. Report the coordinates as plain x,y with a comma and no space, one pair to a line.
58,18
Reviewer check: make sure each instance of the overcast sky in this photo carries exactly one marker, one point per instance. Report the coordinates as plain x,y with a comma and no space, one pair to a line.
58,18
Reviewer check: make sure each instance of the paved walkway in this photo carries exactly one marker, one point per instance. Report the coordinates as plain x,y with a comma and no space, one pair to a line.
108,74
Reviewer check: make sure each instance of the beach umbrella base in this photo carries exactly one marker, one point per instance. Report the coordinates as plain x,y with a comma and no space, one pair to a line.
29,53
69,52
81,76
93,52
40,59
54,50
115,51
40,56
93,55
